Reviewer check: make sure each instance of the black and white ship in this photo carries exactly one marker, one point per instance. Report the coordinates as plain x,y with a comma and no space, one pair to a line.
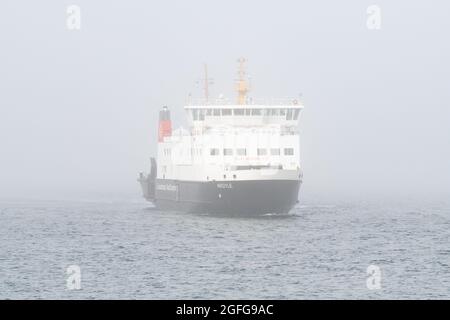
240,158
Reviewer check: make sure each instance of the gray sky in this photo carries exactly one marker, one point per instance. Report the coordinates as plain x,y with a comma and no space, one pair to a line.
78,109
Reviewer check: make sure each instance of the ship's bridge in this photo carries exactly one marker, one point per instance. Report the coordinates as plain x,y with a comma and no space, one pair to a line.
285,113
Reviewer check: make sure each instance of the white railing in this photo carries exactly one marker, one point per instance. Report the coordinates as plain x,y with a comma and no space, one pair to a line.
249,102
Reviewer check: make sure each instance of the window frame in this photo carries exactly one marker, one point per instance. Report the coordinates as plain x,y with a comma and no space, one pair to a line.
228,152
258,151
212,151
277,153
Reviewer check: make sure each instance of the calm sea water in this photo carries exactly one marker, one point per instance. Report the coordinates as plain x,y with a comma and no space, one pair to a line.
127,250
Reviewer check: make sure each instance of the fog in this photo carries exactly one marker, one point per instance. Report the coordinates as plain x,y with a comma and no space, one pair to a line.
78,108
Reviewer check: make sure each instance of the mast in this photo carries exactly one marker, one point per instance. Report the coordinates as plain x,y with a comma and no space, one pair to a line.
206,82
242,86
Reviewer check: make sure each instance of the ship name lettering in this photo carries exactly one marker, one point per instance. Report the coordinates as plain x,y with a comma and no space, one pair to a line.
224,186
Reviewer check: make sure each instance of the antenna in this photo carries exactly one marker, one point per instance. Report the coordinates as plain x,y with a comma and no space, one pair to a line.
206,82
242,86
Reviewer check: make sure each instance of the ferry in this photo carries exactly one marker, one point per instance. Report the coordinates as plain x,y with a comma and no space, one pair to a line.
236,157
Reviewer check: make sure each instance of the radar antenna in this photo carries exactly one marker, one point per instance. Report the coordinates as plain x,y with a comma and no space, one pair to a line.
242,85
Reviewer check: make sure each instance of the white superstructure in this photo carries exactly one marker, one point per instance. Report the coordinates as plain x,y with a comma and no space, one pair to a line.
233,142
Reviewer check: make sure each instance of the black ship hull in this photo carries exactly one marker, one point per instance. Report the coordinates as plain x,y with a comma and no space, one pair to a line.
254,197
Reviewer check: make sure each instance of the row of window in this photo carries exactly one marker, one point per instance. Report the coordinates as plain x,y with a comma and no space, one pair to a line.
288,114
259,152
239,152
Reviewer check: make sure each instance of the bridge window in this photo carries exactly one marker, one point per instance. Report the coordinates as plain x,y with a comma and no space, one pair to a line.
238,112
275,112
248,112
195,114
241,152
289,114
201,115
261,152
227,152
288,151
275,151
216,112
256,112
209,112
296,113
226,112
214,152
282,112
